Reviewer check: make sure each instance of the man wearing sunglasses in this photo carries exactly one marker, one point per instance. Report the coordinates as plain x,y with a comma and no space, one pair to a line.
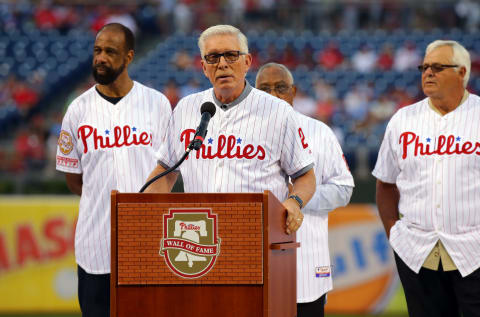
428,188
333,189
253,141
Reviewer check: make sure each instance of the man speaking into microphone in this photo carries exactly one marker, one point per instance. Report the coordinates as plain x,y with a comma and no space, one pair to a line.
253,142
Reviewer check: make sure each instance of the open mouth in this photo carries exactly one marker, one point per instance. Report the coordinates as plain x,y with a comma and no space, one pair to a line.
224,77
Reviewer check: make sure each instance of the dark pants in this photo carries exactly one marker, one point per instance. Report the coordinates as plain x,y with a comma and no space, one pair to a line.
93,294
312,309
440,293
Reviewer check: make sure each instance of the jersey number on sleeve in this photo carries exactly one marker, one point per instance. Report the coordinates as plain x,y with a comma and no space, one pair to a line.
302,138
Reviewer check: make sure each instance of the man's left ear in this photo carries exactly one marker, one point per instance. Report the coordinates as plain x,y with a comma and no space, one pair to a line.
248,60
294,90
130,55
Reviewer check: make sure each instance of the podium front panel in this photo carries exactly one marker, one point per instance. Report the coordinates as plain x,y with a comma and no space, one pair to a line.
190,243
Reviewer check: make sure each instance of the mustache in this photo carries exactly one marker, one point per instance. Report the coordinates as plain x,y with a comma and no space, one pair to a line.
101,66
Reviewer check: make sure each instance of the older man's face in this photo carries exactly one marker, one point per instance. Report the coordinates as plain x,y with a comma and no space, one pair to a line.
276,82
228,77
438,84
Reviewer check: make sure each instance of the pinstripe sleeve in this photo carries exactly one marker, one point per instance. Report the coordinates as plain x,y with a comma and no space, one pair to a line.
387,168
164,113
166,154
68,157
295,154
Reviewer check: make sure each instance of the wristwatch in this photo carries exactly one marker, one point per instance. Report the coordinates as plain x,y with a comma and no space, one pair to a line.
297,199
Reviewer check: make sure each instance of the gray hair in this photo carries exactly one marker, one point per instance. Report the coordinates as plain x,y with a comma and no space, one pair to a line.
223,29
281,66
460,55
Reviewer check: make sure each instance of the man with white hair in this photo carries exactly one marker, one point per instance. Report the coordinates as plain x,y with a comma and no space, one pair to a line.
253,141
428,188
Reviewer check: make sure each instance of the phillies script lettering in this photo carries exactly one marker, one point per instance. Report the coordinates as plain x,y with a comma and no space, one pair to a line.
184,226
226,147
445,145
121,137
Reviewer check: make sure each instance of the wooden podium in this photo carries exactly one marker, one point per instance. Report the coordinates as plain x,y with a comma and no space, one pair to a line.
201,255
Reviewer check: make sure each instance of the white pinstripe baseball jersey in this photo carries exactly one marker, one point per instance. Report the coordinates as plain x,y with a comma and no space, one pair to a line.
334,185
114,147
251,147
435,162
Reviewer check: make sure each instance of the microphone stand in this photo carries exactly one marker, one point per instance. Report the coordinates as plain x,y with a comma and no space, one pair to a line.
194,145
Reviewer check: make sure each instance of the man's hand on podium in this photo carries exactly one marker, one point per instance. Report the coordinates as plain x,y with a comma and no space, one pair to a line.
300,192
294,215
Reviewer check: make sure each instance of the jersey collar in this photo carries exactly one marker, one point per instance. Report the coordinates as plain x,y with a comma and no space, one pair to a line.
465,96
243,95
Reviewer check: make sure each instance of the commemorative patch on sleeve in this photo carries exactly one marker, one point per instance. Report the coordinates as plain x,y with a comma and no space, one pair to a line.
65,143
66,161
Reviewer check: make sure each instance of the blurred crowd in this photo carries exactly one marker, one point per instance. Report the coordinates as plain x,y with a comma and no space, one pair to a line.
169,16
322,100
360,110
330,58
319,15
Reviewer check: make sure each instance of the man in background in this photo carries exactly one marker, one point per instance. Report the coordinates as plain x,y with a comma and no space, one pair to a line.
334,186
108,141
428,188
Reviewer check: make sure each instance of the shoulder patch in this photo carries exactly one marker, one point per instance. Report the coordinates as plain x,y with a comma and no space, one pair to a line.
65,142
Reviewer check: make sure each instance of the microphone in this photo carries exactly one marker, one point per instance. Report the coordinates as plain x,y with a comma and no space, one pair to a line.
207,110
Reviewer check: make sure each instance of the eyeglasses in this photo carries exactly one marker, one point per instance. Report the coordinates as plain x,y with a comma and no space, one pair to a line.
280,89
436,68
230,57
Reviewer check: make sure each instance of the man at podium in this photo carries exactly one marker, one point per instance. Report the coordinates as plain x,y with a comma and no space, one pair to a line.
254,141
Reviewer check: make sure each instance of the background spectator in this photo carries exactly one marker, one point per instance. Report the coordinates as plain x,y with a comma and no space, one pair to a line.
364,60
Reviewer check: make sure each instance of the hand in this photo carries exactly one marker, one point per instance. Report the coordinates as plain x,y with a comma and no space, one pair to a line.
294,215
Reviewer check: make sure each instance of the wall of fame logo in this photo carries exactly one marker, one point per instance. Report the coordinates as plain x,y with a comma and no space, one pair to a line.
190,243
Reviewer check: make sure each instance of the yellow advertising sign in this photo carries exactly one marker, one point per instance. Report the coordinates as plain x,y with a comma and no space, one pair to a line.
37,263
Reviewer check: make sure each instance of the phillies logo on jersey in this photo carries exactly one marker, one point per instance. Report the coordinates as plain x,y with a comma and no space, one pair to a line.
117,137
224,147
190,243
444,145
